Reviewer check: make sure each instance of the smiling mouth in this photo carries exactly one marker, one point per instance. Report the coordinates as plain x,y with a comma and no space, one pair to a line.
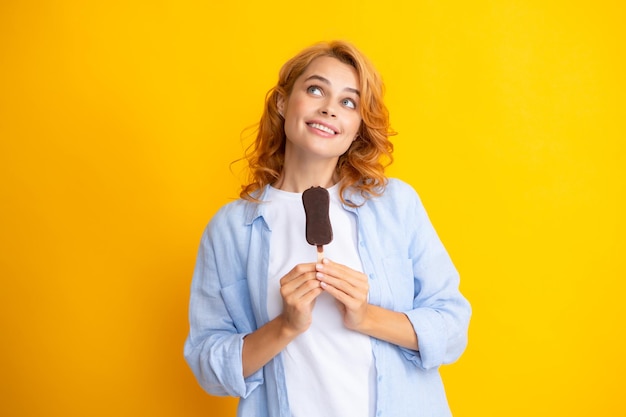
322,128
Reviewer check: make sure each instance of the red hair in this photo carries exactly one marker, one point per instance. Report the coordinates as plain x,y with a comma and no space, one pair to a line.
362,166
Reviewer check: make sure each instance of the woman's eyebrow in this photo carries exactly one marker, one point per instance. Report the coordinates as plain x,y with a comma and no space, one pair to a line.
327,82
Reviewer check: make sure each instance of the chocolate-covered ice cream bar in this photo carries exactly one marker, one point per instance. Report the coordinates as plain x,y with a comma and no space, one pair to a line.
319,231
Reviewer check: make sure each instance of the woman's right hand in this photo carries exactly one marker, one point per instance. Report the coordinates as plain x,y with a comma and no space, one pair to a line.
299,290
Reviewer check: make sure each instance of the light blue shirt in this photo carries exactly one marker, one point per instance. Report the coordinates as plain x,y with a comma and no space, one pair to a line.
409,271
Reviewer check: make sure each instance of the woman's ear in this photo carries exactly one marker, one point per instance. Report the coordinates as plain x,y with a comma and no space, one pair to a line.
280,104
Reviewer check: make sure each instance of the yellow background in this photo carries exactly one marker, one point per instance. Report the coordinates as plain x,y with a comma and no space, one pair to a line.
118,122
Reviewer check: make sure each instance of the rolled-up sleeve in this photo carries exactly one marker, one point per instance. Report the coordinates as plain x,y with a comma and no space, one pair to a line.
440,314
219,318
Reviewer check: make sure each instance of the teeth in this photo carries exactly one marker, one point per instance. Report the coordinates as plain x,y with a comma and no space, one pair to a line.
322,128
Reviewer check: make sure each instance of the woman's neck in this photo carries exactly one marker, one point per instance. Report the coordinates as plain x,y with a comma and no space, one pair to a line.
300,178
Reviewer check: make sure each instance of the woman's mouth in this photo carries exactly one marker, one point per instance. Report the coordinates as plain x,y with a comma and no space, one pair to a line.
323,128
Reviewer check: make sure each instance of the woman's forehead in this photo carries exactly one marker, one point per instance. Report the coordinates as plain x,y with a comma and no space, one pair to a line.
332,70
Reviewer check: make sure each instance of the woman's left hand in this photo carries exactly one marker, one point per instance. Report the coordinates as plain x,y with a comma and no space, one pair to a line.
350,288
347,286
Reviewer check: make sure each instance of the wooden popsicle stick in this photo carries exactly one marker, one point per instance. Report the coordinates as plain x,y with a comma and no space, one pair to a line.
320,253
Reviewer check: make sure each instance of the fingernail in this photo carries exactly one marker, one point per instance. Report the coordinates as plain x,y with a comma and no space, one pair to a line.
319,275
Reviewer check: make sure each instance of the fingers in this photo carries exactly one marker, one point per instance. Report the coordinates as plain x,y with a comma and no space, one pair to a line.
299,286
297,272
349,287
299,289
299,281
347,280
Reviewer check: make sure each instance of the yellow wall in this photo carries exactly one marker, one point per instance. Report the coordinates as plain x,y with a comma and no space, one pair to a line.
118,123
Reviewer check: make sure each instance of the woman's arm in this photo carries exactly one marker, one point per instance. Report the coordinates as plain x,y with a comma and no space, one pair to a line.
260,346
388,325
423,282
298,289
350,288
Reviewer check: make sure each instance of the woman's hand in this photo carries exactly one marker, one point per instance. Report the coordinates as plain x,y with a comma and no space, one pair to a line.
351,289
299,289
347,286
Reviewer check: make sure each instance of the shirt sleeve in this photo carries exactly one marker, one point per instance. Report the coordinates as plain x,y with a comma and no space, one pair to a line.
440,314
219,316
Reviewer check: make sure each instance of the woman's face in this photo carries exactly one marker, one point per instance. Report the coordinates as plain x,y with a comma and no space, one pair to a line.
322,115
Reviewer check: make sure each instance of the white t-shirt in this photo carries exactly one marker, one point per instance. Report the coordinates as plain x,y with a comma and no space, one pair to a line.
329,369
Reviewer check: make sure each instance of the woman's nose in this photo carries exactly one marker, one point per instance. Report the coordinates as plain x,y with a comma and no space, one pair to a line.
327,111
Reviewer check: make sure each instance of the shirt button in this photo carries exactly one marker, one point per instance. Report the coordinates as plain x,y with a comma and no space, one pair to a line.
361,243
379,413
372,276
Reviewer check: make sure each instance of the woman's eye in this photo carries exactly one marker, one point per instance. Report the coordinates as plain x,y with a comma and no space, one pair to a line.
349,103
315,90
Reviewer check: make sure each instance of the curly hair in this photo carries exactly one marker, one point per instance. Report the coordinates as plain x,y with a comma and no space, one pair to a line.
362,166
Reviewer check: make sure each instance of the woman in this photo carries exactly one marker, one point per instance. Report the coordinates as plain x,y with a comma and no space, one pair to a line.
361,333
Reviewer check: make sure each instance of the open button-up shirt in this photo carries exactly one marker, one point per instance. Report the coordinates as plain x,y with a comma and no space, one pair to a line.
409,271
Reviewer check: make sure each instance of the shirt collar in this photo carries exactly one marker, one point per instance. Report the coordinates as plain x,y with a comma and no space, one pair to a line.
256,210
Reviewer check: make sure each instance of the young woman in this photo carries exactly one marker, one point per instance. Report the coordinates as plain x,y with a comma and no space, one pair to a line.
361,333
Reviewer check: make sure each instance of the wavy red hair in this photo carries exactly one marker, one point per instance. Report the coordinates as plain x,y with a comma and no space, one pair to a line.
361,168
